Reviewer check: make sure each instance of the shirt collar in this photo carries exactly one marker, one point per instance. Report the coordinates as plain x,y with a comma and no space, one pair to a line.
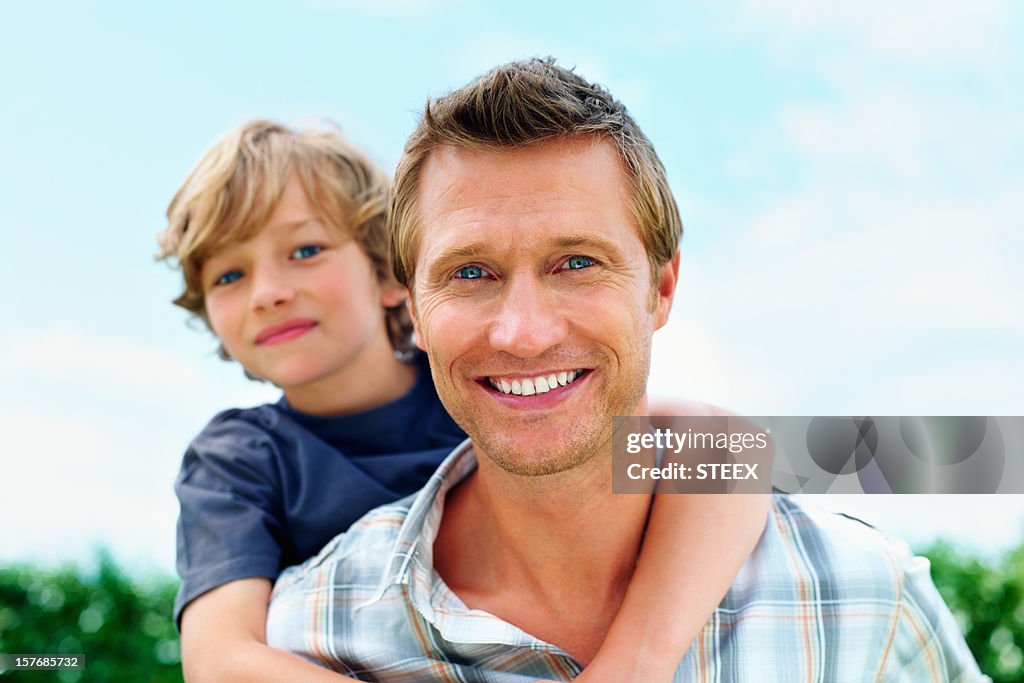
415,543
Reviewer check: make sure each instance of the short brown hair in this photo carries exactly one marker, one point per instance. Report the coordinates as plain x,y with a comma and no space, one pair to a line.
523,103
237,183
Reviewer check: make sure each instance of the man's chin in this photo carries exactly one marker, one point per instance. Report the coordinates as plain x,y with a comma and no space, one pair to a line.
538,457
544,466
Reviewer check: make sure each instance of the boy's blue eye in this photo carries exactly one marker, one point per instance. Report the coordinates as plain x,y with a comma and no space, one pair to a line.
306,251
469,273
228,277
578,262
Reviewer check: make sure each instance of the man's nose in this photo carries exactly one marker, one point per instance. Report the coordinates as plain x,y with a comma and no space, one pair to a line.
270,287
530,319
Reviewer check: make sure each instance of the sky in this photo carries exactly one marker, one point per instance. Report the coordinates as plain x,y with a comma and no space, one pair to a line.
850,177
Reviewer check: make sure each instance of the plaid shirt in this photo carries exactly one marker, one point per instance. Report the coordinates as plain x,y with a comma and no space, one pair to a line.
822,598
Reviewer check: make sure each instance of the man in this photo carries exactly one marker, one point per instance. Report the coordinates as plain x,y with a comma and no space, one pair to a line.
534,227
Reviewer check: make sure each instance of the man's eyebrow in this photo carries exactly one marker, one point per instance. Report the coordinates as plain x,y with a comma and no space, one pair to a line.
589,242
480,249
453,255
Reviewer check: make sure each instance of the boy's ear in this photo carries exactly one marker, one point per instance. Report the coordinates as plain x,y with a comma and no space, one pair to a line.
392,294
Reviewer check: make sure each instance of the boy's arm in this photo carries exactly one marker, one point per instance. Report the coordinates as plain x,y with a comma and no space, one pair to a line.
694,547
223,639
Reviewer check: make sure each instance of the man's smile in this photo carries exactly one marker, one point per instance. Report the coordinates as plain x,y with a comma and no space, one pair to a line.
523,392
534,384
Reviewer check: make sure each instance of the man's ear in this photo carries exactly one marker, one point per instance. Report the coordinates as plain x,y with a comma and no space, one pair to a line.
416,329
667,280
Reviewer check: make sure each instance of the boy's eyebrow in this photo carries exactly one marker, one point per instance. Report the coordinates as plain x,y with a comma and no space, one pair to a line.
300,223
297,225
290,226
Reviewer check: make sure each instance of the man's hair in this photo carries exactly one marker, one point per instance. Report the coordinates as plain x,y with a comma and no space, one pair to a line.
233,189
525,103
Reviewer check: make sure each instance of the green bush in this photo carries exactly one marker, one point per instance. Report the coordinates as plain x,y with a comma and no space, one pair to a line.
987,598
124,627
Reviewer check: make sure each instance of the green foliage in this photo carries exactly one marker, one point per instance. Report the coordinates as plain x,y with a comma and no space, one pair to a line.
987,598
122,626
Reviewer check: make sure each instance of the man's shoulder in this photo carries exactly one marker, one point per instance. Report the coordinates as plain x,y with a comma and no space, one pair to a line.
809,554
806,521
365,548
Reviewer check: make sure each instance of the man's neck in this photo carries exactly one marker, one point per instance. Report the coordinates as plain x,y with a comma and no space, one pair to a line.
552,555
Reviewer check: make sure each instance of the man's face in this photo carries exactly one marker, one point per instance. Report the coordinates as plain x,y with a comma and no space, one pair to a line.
533,298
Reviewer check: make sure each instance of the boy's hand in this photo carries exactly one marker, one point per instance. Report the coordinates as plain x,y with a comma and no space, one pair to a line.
642,668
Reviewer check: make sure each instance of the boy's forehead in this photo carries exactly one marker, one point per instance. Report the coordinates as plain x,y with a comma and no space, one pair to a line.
249,214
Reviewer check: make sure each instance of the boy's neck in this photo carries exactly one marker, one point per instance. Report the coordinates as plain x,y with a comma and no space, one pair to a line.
354,389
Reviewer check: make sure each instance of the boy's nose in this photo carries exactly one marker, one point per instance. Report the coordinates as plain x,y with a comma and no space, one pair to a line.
270,288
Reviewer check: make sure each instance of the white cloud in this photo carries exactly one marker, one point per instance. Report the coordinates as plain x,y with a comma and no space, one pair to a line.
915,518
487,51
886,133
885,276
68,362
94,428
843,304
68,354
974,386
74,484
407,9
687,363
921,32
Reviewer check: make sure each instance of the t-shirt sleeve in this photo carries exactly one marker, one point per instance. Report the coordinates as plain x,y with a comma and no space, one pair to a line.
231,525
927,644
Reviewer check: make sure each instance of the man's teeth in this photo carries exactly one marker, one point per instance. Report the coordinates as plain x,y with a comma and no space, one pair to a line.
535,385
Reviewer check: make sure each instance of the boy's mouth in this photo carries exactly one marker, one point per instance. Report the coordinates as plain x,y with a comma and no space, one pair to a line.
290,329
538,384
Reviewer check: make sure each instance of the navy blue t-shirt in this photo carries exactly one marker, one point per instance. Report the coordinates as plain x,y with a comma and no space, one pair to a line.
264,488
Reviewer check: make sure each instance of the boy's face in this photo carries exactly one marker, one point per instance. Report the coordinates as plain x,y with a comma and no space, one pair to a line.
298,304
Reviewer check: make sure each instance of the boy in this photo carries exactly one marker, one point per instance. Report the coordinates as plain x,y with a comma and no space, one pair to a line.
280,236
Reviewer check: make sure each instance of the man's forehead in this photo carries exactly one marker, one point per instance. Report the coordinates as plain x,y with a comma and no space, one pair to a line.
565,197
453,168
454,176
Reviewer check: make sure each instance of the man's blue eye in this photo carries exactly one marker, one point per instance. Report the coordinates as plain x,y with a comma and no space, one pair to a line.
578,262
469,273
306,251
228,277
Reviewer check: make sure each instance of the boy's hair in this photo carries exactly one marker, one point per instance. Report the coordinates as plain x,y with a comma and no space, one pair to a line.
524,103
237,183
